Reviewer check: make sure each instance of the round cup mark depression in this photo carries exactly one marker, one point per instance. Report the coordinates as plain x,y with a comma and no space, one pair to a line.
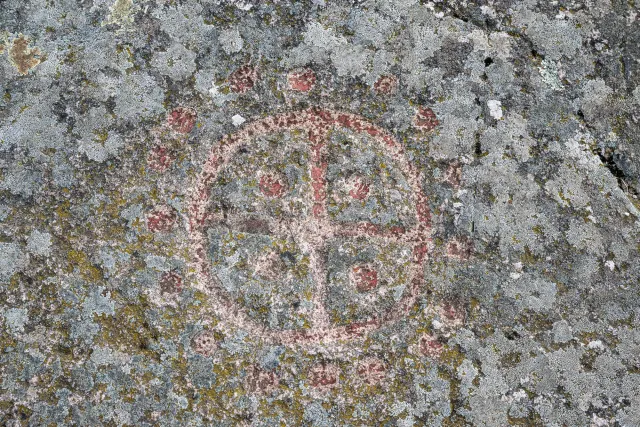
315,230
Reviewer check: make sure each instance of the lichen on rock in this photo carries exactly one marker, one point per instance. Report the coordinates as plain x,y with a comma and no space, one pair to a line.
23,57
319,213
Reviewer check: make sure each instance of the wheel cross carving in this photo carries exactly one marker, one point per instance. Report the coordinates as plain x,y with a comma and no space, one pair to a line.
313,231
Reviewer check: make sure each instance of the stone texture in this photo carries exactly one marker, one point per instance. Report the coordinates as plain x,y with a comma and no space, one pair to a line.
319,213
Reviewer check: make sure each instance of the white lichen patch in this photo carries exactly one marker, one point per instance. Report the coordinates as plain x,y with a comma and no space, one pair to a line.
12,259
15,319
139,96
636,95
561,331
121,13
532,293
495,108
554,37
39,243
551,75
231,41
100,151
237,120
177,62
30,126
610,265
21,181
595,95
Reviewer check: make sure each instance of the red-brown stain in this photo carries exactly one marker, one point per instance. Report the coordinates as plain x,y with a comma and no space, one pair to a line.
365,277
269,266
460,248
386,85
324,376
318,182
372,371
205,343
359,328
272,185
423,210
420,252
451,314
243,79
160,158
161,219
359,188
261,381
182,119
430,346
425,119
453,174
301,81
170,283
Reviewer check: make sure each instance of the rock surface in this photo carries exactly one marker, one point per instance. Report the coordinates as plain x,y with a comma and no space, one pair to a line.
379,212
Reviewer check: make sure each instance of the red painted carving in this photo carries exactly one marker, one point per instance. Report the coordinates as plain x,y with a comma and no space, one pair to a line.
386,85
182,119
317,229
243,79
364,277
302,81
161,219
426,119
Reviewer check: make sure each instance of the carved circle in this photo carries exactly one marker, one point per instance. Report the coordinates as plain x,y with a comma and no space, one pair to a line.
317,228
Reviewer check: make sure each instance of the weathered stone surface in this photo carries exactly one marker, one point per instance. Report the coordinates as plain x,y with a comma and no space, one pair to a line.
319,213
